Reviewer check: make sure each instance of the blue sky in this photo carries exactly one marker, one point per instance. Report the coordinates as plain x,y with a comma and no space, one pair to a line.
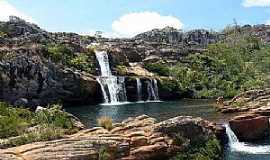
128,17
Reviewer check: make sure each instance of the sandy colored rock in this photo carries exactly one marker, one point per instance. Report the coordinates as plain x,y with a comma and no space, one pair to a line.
131,141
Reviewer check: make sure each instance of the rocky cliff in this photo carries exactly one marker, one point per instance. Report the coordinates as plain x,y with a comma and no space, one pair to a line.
29,79
40,67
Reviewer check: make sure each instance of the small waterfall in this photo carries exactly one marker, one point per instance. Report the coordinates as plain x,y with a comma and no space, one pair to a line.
236,146
231,136
139,89
156,89
152,89
122,89
113,88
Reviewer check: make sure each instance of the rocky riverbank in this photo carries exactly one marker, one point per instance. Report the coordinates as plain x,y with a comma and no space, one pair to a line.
252,107
139,138
255,101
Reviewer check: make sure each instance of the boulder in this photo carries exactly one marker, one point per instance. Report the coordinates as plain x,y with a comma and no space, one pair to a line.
21,102
250,127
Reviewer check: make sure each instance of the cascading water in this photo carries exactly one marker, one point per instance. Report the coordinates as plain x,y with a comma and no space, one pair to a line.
156,90
139,89
113,88
122,89
236,146
152,89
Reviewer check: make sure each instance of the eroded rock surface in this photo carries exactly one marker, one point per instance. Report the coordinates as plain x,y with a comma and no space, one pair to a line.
137,138
257,101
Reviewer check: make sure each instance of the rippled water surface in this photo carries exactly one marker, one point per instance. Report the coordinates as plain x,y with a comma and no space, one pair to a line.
158,110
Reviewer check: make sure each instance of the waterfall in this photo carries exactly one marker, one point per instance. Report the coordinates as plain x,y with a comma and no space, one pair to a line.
156,90
113,87
231,136
236,146
139,89
152,89
104,64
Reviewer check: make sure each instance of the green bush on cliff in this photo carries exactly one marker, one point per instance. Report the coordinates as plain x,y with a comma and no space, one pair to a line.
159,68
225,69
238,63
59,53
82,62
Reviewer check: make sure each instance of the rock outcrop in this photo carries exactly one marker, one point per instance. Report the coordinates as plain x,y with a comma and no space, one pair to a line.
137,138
171,35
27,79
250,127
249,101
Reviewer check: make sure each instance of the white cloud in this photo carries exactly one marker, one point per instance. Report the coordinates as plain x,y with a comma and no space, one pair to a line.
267,22
256,3
135,23
6,10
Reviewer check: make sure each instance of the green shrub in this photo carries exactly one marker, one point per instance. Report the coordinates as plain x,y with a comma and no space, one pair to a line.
13,121
211,150
43,134
121,70
59,53
47,124
82,62
103,154
170,85
159,68
54,117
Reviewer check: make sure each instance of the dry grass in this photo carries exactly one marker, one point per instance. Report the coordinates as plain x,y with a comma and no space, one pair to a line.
105,122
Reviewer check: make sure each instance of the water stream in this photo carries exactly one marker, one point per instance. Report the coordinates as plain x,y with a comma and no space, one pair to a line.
152,89
139,89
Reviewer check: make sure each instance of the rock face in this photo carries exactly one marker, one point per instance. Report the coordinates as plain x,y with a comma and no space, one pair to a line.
137,138
251,101
29,80
172,35
250,127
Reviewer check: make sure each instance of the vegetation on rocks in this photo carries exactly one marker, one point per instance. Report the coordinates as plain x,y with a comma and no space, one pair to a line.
225,69
211,150
121,70
60,53
20,126
159,68
81,62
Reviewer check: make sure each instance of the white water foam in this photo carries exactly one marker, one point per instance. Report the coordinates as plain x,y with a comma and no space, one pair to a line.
236,146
